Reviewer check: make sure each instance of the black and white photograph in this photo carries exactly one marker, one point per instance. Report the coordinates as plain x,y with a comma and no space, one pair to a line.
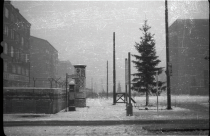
105,68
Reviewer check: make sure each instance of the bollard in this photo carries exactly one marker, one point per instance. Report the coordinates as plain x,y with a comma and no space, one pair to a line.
129,109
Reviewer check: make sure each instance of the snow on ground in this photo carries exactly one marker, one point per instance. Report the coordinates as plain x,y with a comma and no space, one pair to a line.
103,109
175,99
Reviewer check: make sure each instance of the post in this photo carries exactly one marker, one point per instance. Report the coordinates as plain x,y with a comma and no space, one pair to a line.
167,58
114,74
107,81
129,106
129,77
126,79
157,88
66,93
92,87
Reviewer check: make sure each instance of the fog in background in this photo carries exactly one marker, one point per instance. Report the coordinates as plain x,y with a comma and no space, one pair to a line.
82,31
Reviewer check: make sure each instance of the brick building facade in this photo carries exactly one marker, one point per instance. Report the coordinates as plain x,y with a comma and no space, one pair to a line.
188,47
16,48
44,59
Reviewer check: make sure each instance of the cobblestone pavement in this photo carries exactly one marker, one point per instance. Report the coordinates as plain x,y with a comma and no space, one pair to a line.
121,130
113,130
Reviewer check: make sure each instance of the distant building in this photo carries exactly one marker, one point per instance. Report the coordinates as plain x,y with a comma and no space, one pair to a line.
44,60
16,34
63,68
189,45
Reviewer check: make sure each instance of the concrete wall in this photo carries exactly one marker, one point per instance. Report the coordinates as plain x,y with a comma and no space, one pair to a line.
33,100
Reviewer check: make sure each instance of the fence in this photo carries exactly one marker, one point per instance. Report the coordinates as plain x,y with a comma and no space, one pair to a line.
48,82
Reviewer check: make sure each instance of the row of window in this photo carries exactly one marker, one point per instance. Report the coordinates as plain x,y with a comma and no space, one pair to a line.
16,20
15,53
15,36
16,69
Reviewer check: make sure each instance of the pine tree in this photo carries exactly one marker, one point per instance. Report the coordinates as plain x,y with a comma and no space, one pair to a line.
145,63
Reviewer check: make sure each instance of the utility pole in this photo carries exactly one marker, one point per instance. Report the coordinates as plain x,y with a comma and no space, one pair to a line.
167,58
66,92
129,77
107,81
114,74
129,107
92,87
157,88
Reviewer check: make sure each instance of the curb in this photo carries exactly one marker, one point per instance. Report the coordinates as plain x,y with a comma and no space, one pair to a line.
200,122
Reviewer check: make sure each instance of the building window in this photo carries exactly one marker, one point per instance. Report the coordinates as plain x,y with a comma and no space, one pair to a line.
6,13
13,69
18,23
17,38
5,66
6,30
12,17
17,54
12,51
23,71
22,57
19,70
22,41
12,34
27,58
5,48
27,72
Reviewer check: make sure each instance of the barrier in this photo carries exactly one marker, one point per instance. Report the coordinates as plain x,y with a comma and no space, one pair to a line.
33,100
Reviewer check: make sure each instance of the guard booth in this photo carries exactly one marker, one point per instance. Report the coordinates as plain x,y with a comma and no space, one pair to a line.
71,100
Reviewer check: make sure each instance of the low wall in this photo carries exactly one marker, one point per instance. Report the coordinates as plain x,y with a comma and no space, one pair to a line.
33,100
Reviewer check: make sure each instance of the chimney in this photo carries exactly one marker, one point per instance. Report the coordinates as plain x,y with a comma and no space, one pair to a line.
17,10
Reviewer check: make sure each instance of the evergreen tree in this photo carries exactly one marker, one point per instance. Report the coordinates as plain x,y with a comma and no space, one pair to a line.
145,63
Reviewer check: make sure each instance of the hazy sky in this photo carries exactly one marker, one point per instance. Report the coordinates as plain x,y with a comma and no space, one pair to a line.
82,31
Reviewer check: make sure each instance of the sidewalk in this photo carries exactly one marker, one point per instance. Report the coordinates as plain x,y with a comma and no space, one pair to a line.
184,116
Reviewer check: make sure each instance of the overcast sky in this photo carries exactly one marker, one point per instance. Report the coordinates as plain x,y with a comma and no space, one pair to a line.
82,31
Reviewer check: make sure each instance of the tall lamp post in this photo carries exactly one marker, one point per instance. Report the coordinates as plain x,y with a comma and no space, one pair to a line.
167,58
107,87
114,72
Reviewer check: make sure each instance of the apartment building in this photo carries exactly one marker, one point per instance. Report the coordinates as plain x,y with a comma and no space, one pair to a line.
16,48
44,60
